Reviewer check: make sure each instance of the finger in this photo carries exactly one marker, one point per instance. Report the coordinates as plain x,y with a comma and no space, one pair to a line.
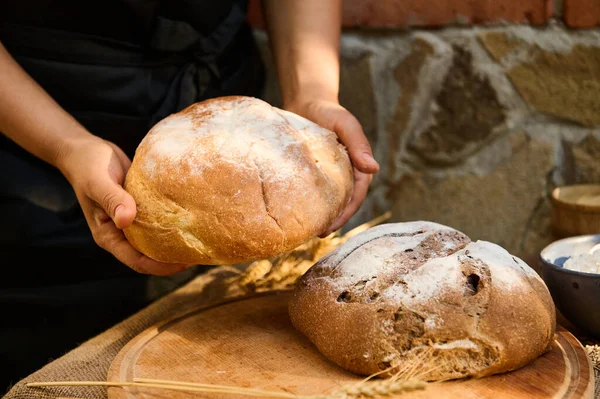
351,134
361,187
114,200
128,255
112,239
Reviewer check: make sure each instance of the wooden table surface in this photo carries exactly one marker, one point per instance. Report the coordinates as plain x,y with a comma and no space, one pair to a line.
92,359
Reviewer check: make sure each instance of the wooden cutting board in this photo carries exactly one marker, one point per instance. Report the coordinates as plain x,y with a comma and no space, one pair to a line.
251,343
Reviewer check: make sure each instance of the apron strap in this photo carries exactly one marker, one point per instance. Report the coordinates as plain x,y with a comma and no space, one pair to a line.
200,70
173,35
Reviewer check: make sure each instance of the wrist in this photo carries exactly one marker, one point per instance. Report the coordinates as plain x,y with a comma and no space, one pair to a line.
308,93
67,147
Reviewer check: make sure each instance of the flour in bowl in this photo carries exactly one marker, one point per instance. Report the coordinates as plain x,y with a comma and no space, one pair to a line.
587,263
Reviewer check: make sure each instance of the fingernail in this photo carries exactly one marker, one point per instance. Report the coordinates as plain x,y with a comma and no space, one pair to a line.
119,209
368,157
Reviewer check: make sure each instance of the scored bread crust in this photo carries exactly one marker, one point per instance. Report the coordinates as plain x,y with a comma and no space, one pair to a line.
233,179
422,296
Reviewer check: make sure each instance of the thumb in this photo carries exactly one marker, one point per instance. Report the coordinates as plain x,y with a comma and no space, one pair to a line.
351,134
116,202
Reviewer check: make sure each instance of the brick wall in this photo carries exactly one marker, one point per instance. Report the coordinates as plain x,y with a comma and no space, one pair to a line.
475,113
575,14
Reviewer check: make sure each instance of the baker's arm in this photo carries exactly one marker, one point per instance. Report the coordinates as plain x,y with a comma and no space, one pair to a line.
305,37
30,117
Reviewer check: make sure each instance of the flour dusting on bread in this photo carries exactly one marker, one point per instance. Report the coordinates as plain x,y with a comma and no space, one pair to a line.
244,132
399,292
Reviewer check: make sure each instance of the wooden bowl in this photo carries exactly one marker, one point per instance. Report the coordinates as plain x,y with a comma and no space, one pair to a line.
576,210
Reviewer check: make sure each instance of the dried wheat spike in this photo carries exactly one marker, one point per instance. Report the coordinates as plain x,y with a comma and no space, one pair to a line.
254,272
283,271
594,354
377,388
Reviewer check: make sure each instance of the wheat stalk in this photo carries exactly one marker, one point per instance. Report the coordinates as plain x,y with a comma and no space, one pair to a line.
380,388
369,389
406,378
284,270
190,387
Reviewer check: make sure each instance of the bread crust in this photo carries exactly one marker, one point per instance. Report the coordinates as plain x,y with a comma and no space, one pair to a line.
231,180
422,294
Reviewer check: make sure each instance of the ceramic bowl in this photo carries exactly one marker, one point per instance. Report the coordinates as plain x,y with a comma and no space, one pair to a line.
576,294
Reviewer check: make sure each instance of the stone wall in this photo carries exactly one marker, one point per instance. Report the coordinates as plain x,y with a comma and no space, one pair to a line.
473,124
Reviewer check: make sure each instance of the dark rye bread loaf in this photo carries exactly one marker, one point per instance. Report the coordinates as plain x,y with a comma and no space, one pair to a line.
422,293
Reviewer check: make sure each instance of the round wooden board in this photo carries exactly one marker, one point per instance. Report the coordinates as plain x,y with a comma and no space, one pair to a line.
250,342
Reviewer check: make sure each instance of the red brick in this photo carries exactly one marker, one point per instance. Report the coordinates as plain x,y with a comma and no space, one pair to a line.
434,13
390,13
582,13
254,15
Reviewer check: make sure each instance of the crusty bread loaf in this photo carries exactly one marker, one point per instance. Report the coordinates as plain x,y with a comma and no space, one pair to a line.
422,295
233,179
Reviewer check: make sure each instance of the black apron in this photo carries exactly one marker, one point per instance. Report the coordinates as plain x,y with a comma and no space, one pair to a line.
118,67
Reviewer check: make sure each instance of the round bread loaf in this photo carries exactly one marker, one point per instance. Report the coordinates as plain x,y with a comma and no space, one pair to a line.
233,179
422,296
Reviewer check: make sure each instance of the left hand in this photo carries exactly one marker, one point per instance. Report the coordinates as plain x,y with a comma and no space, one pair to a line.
96,169
332,116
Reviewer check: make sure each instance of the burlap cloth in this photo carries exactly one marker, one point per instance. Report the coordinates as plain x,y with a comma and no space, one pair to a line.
91,360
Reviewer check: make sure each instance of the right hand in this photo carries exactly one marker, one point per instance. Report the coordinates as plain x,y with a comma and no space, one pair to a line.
96,169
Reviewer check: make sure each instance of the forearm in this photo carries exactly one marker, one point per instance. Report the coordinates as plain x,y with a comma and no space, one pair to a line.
30,117
304,37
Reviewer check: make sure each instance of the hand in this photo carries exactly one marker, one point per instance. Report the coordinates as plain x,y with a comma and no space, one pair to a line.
96,169
331,115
